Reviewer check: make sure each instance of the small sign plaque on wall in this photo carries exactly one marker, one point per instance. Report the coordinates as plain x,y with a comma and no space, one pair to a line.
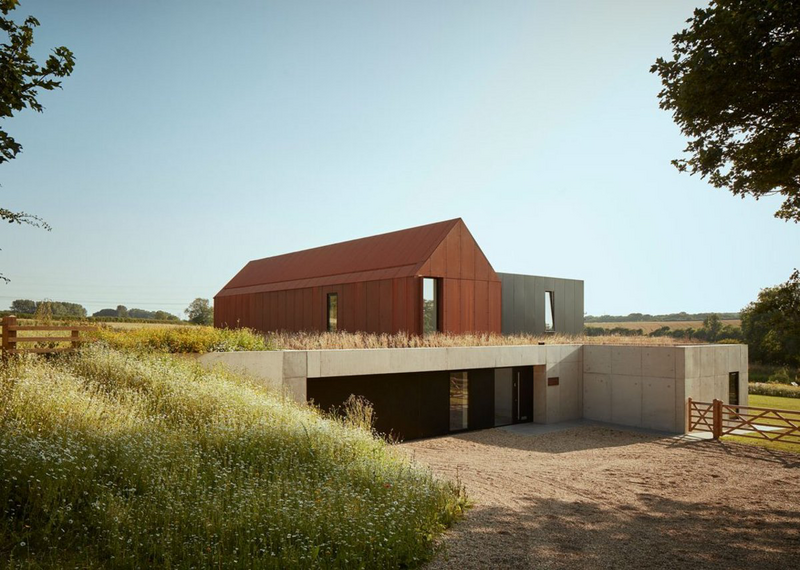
552,381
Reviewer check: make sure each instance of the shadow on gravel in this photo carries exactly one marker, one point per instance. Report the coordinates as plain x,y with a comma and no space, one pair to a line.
657,533
719,449
579,438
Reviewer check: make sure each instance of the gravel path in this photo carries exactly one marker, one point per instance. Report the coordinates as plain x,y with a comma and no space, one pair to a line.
594,497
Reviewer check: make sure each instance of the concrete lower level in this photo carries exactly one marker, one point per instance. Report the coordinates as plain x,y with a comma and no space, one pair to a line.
419,392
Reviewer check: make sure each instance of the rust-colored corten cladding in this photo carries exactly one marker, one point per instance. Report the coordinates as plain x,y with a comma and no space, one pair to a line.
378,281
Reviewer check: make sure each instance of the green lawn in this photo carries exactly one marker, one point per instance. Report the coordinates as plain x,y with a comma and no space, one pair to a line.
775,402
770,402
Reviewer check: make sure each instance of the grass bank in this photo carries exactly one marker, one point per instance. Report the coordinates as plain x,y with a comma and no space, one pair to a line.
112,459
194,339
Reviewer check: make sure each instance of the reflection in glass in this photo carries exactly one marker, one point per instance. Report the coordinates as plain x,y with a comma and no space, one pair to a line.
333,312
430,306
549,315
733,388
459,401
503,397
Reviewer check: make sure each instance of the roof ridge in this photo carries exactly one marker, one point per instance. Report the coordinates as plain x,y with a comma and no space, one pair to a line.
401,250
454,220
439,242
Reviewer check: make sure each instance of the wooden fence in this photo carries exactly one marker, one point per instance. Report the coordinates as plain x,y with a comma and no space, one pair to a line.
69,334
722,419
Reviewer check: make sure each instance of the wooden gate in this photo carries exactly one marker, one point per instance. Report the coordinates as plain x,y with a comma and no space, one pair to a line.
700,416
65,334
769,424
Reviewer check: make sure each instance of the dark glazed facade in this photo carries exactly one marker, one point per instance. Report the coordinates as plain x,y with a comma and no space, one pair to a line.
378,282
524,305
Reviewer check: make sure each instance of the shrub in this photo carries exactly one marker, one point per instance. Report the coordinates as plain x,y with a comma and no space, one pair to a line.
781,390
782,376
771,324
110,459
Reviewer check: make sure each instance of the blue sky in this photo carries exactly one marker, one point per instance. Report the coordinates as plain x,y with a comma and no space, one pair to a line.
194,136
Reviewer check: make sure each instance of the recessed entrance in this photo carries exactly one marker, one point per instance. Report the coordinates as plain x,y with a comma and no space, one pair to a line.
424,404
513,395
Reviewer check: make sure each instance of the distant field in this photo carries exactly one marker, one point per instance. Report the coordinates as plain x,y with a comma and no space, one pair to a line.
650,326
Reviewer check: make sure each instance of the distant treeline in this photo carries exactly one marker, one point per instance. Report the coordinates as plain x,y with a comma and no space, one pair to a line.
53,308
713,330
124,313
61,309
645,318
92,319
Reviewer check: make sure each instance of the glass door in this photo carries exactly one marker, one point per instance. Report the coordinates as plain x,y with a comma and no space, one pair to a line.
503,397
459,401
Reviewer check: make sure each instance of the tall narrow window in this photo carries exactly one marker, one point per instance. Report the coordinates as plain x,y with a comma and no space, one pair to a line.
333,312
733,388
549,313
430,305
459,401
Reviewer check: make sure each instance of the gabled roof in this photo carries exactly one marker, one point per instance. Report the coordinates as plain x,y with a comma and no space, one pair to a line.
385,256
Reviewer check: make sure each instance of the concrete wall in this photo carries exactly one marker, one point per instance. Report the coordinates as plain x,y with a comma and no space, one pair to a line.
523,304
647,386
562,401
633,386
283,371
641,386
706,371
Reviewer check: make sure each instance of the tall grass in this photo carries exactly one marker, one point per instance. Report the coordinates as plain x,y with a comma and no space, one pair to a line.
125,460
182,339
345,340
201,339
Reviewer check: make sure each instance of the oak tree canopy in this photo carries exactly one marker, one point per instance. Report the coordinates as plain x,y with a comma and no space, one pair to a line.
733,87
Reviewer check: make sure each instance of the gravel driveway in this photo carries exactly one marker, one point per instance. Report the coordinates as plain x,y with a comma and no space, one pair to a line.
595,497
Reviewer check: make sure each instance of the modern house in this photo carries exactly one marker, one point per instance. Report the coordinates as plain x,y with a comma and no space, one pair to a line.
436,278
423,392
418,280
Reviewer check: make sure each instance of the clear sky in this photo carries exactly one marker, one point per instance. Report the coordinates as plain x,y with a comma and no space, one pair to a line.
194,136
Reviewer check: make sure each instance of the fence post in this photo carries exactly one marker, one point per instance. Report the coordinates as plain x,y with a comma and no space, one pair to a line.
9,336
687,424
717,417
75,335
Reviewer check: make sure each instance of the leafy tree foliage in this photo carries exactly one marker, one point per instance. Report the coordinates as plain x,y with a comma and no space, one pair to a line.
123,312
48,308
105,313
733,86
153,315
200,312
713,325
771,324
23,306
21,80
